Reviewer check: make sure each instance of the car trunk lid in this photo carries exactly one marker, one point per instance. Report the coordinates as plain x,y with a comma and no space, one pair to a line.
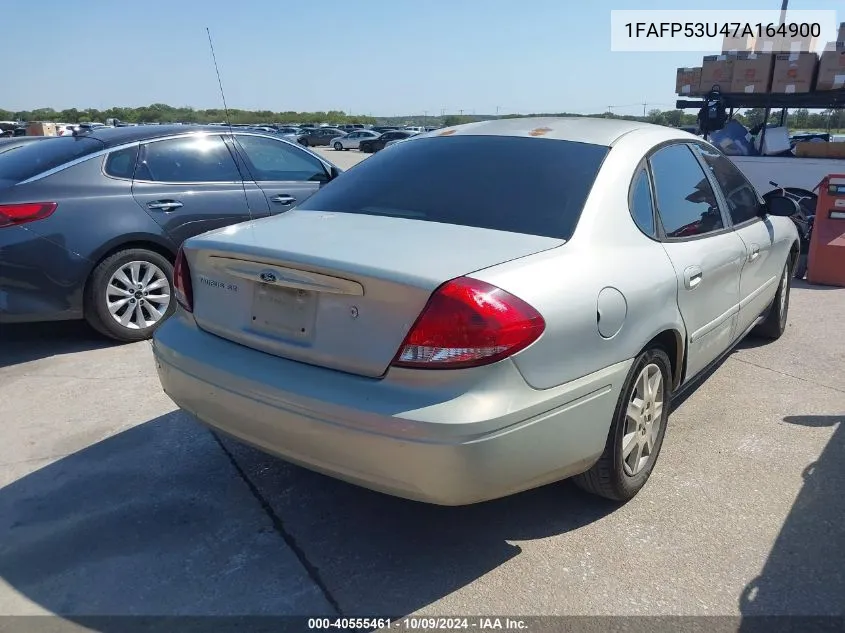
333,289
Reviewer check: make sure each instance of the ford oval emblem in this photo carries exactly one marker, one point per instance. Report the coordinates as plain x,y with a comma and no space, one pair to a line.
268,277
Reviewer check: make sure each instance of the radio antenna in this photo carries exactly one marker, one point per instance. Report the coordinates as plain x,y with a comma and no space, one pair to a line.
219,81
228,118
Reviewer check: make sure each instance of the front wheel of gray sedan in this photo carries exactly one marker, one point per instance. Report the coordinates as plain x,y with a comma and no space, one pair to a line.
636,431
129,294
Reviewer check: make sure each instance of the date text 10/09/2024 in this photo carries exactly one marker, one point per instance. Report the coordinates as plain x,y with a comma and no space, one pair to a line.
481,624
724,29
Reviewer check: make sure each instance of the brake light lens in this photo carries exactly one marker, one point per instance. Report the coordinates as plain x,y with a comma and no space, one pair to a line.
13,214
183,289
469,323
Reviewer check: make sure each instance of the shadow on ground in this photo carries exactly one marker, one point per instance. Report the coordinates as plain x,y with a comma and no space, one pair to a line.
23,343
158,521
806,285
805,571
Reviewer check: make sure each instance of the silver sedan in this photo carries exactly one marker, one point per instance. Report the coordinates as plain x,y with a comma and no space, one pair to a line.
482,310
353,139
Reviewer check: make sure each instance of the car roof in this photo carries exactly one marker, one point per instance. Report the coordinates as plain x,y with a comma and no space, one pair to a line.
114,136
577,129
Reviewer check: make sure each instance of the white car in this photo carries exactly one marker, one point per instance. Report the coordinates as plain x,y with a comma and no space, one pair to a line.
353,139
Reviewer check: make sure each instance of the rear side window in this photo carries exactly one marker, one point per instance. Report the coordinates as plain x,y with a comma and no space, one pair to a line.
276,160
521,185
35,158
743,203
121,164
685,199
187,159
642,206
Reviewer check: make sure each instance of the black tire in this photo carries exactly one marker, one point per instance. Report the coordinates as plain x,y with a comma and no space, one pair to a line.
775,324
96,310
338,147
303,142
607,477
800,267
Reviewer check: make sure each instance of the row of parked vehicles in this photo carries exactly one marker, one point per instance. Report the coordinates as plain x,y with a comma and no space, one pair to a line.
346,137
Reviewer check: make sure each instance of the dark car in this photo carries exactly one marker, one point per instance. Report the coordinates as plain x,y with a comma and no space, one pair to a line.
317,137
90,224
14,142
372,145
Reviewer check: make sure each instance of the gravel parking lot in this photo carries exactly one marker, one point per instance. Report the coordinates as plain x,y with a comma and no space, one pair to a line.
113,502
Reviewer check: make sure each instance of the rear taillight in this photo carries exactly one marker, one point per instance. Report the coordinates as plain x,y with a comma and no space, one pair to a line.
183,289
12,214
468,323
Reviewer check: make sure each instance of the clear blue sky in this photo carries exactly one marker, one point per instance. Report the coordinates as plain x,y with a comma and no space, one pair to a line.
381,57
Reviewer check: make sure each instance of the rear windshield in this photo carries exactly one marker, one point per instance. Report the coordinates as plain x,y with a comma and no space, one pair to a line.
522,185
32,159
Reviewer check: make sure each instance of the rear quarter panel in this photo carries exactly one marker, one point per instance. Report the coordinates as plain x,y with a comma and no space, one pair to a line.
95,214
607,250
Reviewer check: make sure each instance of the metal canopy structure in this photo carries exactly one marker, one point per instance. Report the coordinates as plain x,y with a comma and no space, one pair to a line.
821,100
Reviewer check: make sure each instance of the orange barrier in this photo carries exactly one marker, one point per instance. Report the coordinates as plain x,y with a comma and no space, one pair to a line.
826,263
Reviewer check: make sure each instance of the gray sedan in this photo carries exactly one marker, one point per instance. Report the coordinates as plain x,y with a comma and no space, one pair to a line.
353,139
482,310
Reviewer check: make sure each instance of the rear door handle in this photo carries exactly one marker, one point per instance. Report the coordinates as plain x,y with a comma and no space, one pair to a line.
164,205
693,277
283,199
754,252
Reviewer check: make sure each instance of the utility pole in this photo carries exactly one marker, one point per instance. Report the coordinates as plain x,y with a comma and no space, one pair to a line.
644,105
442,112
425,117
461,111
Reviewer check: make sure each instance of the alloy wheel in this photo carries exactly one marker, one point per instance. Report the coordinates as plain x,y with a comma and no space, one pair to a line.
643,418
138,295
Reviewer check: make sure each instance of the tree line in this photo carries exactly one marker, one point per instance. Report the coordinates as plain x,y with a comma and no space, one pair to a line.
162,113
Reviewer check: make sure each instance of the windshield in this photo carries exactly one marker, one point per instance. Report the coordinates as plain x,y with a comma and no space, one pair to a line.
505,183
32,159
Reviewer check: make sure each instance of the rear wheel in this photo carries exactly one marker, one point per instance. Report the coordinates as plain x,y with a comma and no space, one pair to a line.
303,142
338,147
636,432
129,294
775,324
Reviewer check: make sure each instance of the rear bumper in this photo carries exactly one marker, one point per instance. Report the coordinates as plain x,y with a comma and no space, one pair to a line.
449,438
40,280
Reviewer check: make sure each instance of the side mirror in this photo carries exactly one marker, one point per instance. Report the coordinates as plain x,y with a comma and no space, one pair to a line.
781,206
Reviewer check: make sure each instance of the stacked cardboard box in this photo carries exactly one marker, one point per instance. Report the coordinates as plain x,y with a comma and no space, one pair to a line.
736,45
832,67
717,70
794,72
759,65
687,81
752,72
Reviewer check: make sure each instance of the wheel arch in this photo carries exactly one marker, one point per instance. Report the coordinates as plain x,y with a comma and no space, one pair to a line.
673,342
149,242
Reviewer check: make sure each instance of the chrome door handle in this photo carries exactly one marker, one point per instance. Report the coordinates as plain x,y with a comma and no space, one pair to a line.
164,205
755,253
283,199
692,277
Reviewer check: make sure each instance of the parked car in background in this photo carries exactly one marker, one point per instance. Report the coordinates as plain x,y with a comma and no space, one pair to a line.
400,140
353,139
319,137
372,145
285,129
453,350
64,128
90,224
